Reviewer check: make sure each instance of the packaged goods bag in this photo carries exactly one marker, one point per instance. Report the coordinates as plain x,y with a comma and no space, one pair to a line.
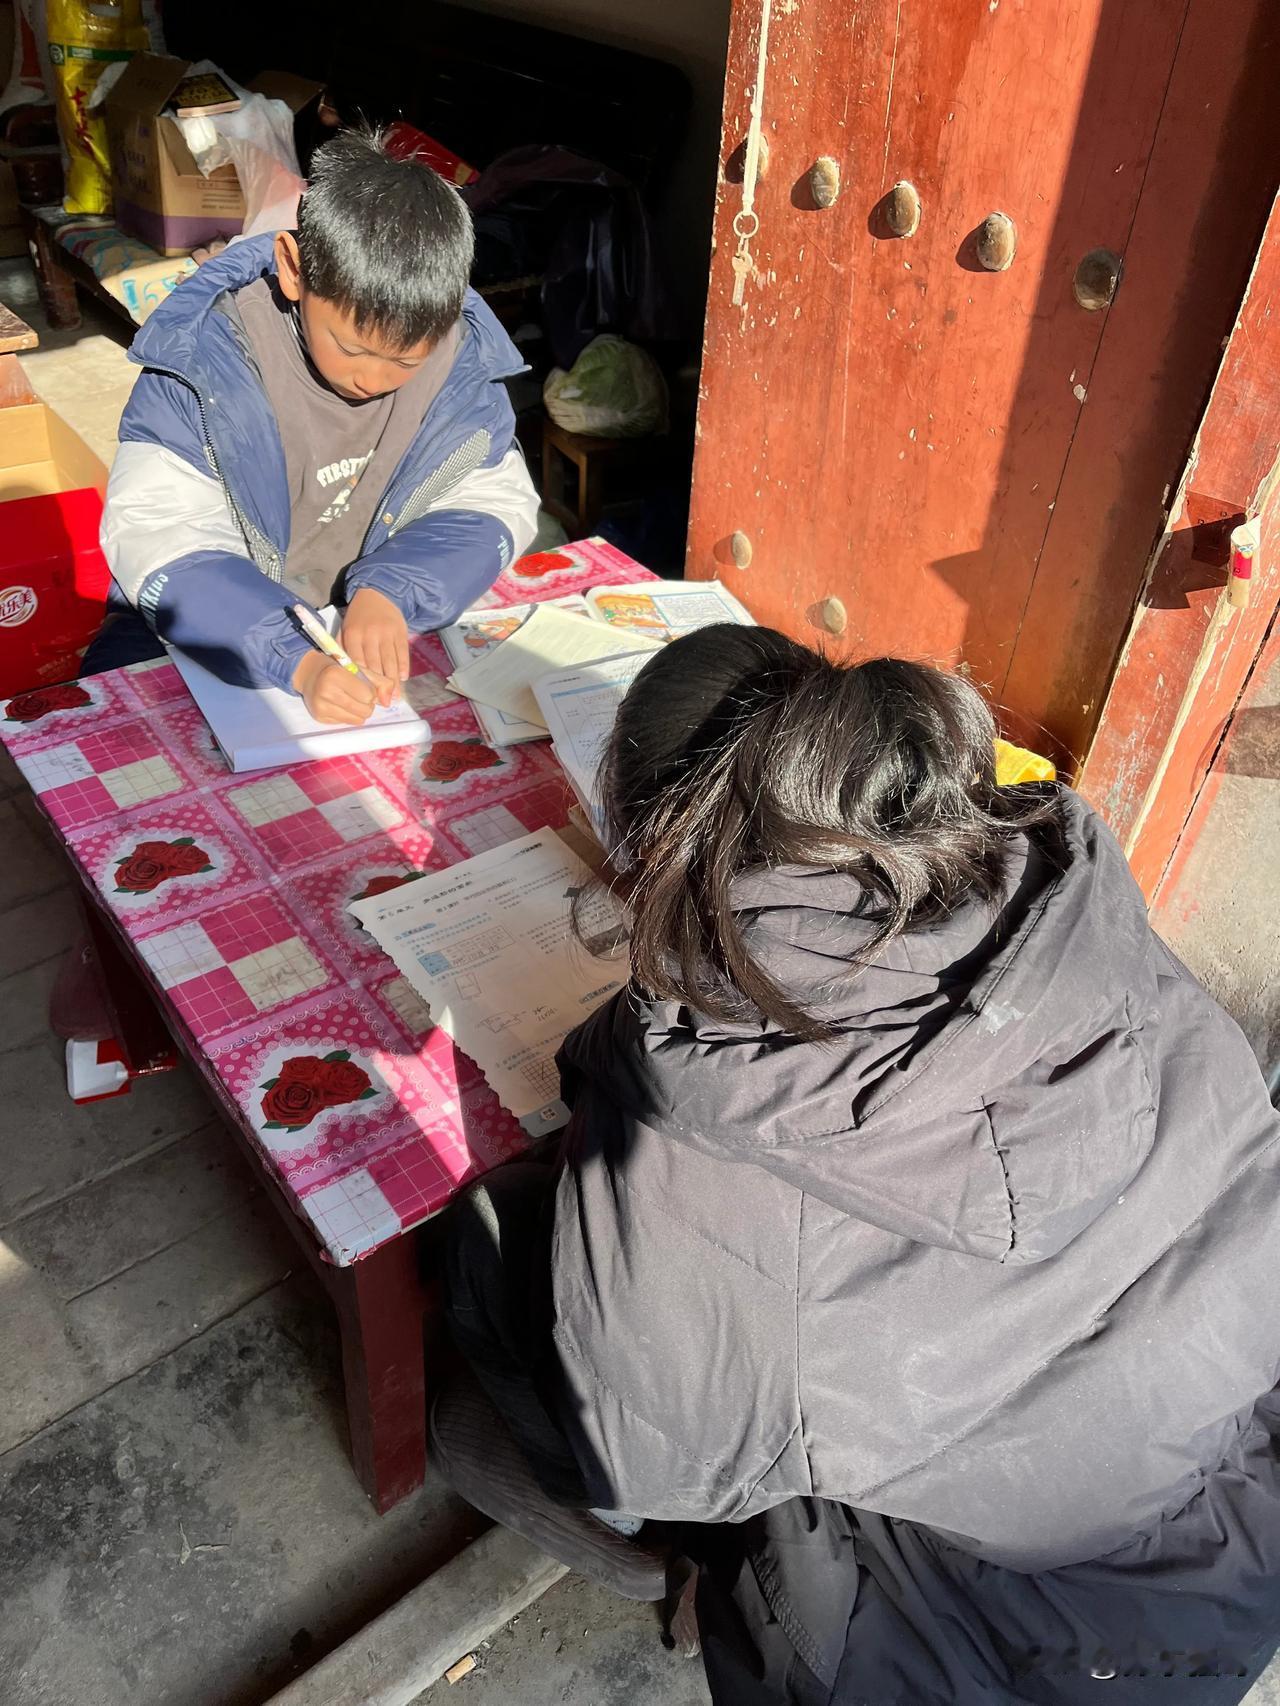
86,36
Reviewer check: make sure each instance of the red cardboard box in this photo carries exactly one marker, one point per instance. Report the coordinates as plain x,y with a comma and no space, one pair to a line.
53,576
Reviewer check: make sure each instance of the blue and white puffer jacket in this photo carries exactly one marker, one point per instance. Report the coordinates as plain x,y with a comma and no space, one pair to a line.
196,525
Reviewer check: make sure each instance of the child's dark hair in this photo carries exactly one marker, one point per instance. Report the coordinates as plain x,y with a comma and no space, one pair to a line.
385,239
738,749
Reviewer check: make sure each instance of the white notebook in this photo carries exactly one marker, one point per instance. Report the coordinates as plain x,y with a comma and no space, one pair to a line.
259,728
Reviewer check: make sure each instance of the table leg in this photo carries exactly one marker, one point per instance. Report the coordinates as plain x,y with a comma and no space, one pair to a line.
381,1303
590,494
551,482
15,387
56,285
135,1020
557,476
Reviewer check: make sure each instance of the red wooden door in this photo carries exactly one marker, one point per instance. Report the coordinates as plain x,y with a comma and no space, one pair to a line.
934,459
1157,756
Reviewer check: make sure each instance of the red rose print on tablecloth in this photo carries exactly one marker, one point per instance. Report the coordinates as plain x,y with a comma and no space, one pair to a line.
539,563
154,862
450,759
30,707
308,1084
343,1080
382,885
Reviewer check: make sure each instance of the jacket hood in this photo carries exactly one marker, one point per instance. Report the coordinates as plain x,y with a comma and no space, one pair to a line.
171,339
987,1088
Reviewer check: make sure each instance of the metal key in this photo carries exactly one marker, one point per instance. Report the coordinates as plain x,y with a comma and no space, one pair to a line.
741,267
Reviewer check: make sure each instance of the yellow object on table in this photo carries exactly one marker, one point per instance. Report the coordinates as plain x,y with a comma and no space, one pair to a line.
1016,764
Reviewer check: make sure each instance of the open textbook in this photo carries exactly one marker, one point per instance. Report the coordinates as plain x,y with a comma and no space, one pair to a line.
479,631
257,728
548,639
489,946
666,609
654,610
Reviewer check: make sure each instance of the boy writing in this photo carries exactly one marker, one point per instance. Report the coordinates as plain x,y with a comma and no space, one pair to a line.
320,418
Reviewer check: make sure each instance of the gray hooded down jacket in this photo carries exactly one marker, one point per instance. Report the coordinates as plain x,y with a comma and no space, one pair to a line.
1002,1260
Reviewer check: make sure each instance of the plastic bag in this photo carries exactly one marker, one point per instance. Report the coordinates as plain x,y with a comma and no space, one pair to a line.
613,390
258,141
151,10
85,36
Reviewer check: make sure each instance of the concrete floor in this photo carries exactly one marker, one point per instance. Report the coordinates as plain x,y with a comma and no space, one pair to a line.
179,1525
578,1646
84,375
1221,909
178,1518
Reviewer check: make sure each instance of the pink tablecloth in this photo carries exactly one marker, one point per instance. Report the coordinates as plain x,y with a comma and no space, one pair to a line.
233,892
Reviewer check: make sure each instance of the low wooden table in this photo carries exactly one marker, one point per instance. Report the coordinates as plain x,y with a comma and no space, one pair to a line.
222,899
91,253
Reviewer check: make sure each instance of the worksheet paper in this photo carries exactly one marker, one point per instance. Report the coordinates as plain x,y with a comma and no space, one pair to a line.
548,640
488,945
257,728
476,633
579,707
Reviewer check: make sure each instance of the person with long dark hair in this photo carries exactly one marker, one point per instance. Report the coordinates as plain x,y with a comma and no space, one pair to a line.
916,1236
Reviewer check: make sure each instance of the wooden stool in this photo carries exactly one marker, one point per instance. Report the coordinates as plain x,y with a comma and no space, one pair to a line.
592,458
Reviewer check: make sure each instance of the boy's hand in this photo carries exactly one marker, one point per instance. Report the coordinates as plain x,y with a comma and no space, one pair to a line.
332,694
376,636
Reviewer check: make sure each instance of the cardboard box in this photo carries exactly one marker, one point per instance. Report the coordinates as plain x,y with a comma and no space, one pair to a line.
53,577
296,92
160,194
40,453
